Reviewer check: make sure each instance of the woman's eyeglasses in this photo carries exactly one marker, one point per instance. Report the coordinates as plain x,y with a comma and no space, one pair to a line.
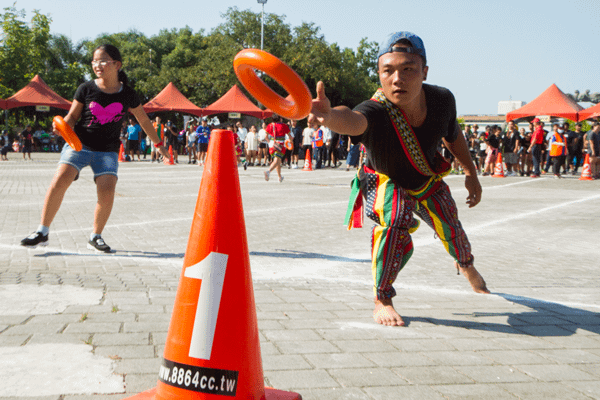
101,63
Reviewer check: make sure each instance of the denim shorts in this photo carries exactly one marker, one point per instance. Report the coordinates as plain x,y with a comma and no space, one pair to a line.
102,162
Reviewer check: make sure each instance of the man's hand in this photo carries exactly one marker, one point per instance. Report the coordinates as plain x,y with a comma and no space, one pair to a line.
321,107
474,189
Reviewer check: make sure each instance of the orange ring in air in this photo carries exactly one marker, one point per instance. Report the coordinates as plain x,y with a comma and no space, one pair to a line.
244,64
67,133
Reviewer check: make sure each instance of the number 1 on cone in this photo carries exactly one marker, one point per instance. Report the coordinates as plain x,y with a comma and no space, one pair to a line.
211,271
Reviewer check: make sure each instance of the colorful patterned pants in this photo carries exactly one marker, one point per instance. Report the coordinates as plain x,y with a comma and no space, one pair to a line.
393,209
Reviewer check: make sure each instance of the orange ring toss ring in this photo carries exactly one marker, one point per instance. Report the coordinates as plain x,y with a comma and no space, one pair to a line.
289,145
67,133
244,64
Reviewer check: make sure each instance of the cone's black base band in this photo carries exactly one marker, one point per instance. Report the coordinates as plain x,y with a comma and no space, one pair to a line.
198,379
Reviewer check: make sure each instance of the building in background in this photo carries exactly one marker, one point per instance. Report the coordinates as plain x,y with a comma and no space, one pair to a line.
506,106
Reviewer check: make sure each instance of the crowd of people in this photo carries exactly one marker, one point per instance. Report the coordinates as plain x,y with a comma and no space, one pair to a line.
532,152
528,152
255,145
29,140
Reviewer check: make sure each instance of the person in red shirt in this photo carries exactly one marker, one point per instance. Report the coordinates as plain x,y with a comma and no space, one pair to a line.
279,133
537,141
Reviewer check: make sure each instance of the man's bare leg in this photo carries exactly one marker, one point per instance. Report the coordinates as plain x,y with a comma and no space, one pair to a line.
385,314
474,278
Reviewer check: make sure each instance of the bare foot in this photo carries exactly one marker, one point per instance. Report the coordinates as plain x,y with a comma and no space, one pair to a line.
385,314
474,278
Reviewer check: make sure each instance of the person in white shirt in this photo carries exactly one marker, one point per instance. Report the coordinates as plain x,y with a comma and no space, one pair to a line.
242,133
190,139
251,147
307,136
263,146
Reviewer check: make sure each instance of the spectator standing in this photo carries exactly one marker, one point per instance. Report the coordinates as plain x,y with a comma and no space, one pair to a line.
5,145
308,134
492,146
319,146
263,145
297,142
558,149
190,140
172,135
288,146
26,141
242,133
122,135
332,150
133,138
576,155
511,145
547,158
535,149
353,155
251,147
202,137
525,160
593,137
159,130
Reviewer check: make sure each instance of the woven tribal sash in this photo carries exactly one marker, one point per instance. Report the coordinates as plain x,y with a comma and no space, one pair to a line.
408,139
413,151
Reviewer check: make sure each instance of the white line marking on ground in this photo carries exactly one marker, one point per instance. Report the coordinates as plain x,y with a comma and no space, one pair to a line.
45,299
56,369
124,256
474,229
533,212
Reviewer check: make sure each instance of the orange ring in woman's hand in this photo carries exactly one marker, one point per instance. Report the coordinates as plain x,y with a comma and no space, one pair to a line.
67,133
244,64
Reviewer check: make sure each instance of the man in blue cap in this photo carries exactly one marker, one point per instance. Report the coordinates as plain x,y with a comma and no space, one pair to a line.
401,127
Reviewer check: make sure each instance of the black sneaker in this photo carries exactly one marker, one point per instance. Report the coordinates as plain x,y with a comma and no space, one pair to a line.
98,244
35,239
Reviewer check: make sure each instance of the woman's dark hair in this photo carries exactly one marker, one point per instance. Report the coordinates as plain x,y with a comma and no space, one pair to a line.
276,118
115,54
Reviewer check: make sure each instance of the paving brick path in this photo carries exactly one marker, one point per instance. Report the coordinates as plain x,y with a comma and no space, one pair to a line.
535,242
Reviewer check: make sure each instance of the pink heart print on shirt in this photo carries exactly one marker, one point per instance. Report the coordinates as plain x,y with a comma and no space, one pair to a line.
103,115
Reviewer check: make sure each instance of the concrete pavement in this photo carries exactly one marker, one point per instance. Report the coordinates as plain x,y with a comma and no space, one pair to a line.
537,336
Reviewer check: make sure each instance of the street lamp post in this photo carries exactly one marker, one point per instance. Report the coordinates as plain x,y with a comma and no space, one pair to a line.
262,23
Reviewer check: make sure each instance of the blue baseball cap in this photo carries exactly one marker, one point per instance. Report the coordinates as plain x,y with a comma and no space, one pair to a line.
387,45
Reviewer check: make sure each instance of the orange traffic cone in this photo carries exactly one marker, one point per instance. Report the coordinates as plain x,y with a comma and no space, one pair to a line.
121,153
170,160
499,171
586,172
307,161
213,349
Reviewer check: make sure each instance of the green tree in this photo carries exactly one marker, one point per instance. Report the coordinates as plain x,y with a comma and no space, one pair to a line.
65,69
23,48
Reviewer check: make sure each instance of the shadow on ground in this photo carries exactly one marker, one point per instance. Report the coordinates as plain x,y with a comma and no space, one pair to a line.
121,253
546,319
280,253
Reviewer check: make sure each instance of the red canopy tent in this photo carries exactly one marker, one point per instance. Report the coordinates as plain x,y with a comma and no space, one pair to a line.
36,93
171,99
551,102
588,113
236,101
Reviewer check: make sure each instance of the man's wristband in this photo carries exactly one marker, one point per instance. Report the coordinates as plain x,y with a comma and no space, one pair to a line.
158,144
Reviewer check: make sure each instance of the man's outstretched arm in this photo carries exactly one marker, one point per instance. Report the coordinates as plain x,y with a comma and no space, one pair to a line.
339,119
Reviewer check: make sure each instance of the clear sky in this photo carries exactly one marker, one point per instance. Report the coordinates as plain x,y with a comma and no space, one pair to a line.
483,51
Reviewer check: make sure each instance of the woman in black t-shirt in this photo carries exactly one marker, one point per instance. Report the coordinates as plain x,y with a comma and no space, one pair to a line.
96,113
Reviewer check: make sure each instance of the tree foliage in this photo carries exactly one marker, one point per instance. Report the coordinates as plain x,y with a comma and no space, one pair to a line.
198,63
